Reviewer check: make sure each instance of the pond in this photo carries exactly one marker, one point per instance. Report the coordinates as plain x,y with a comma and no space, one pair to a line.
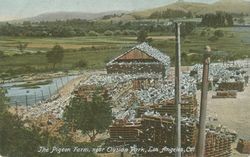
29,95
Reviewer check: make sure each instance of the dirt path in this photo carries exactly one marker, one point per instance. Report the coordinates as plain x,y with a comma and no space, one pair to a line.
67,89
232,113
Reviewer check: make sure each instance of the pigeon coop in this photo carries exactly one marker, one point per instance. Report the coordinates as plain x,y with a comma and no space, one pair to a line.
225,94
243,146
189,107
161,132
124,134
140,59
218,144
227,86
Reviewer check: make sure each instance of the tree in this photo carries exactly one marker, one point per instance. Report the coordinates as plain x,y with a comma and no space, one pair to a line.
3,100
117,32
81,64
241,20
220,19
2,55
22,46
91,117
56,55
16,140
142,36
219,33
93,33
108,33
187,28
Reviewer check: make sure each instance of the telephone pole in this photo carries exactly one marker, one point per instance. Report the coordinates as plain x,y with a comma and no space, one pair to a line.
203,107
178,89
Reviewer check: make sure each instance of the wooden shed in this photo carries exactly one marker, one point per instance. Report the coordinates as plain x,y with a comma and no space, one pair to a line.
140,59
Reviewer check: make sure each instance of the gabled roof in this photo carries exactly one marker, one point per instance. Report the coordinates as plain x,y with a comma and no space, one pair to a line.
149,50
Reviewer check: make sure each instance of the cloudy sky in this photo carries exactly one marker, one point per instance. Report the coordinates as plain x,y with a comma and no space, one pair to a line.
14,9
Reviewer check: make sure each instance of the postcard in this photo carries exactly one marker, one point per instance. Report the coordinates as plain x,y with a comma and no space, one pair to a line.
124,78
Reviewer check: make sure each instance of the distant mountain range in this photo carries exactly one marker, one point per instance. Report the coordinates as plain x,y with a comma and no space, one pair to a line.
69,15
231,6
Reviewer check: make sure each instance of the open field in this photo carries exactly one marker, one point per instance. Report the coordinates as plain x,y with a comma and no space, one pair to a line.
97,50
9,44
94,50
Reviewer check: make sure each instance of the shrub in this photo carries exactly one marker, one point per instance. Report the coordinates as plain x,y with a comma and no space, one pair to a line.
132,32
125,32
108,33
81,64
203,33
219,33
93,33
213,38
117,32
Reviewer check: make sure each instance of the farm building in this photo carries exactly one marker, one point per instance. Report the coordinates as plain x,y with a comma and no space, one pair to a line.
140,59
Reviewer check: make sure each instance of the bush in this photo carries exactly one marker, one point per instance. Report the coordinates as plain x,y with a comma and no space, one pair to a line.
108,33
219,33
213,38
203,33
81,64
2,55
93,33
125,32
39,52
231,36
132,32
82,49
117,32
187,41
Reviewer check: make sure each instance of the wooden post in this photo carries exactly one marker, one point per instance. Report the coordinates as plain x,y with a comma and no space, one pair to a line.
57,86
16,109
203,107
49,92
35,98
26,100
42,95
61,81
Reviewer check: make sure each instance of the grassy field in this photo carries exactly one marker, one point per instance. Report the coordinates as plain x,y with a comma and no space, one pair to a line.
96,51
9,44
235,44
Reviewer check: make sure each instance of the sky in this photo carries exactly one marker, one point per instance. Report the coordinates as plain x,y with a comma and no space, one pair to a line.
15,9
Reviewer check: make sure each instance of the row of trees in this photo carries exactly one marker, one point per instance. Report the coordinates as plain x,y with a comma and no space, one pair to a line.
78,27
220,19
169,13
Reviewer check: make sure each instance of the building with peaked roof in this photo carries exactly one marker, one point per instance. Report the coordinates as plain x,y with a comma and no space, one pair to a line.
140,59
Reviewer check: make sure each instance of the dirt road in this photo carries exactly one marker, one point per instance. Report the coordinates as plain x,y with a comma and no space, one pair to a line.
232,113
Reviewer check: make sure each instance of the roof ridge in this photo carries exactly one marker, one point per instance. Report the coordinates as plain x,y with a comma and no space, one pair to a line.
149,50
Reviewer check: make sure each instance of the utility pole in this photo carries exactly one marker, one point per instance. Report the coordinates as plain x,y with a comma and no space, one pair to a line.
49,91
203,107
26,102
42,95
178,89
57,86
62,82
16,108
35,98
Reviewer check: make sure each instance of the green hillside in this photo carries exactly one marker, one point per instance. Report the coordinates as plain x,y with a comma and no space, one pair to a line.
231,6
